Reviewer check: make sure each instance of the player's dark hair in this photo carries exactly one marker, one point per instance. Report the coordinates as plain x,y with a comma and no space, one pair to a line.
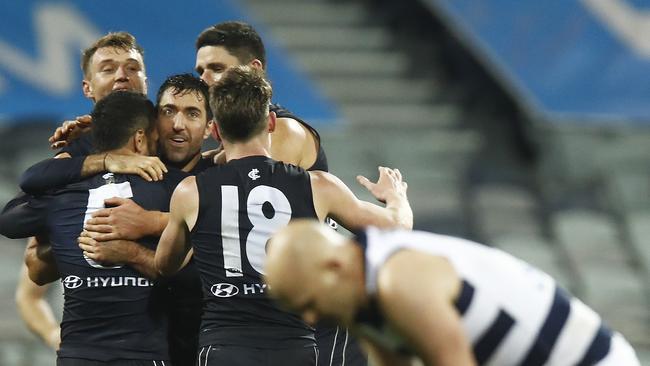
182,84
121,40
118,116
240,103
238,38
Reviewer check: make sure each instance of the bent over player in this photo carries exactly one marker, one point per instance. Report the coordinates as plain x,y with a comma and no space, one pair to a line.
447,300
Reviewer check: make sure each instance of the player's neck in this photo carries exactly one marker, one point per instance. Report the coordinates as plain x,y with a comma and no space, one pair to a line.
253,147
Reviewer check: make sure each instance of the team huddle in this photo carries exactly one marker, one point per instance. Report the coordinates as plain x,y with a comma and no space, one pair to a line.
171,256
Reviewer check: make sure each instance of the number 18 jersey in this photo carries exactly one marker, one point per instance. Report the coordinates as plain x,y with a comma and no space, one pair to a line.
241,204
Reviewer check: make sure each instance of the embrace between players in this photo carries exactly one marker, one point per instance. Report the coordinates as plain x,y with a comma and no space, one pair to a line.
143,286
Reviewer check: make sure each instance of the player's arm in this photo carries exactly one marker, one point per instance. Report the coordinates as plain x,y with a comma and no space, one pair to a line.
333,198
115,252
24,216
65,169
174,243
35,311
125,219
424,315
38,257
293,143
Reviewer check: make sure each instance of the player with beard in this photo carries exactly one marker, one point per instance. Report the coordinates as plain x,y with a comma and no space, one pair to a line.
227,213
112,314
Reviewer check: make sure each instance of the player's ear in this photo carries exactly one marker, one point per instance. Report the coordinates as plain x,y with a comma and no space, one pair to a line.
214,130
256,64
87,89
140,142
208,129
272,119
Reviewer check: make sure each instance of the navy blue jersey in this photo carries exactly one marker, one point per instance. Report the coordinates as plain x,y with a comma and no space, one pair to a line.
321,158
241,204
186,304
83,146
109,312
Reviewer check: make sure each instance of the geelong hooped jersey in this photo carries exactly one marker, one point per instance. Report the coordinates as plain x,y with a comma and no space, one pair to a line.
512,313
241,204
111,312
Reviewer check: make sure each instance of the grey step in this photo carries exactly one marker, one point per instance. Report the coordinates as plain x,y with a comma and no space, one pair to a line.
504,209
376,89
355,63
308,13
401,115
331,37
630,188
490,196
590,238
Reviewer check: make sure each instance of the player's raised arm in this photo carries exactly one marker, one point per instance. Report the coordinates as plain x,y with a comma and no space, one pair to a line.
333,198
174,243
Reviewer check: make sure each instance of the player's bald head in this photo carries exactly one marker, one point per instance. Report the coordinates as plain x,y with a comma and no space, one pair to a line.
295,252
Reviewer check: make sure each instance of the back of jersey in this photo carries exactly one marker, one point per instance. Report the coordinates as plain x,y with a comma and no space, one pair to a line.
109,312
242,203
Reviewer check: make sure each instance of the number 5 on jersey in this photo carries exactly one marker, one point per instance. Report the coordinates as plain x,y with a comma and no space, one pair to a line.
267,209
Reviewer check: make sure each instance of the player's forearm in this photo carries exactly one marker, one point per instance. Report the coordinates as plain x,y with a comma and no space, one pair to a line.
37,315
401,212
94,164
35,311
51,173
143,262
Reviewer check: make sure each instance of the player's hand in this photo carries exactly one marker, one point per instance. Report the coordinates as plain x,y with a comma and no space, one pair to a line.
123,220
149,168
112,252
389,185
217,155
69,131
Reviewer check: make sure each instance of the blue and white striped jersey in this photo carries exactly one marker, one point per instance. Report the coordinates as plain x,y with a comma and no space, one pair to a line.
512,313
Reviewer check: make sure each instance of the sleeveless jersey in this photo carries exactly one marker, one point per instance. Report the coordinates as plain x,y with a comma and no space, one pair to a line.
321,158
512,313
112,312
241,204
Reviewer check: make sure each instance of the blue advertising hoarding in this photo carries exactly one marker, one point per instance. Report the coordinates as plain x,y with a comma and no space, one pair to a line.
586,61
40,44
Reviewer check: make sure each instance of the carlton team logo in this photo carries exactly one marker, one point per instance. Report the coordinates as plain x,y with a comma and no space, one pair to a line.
224,290
72,282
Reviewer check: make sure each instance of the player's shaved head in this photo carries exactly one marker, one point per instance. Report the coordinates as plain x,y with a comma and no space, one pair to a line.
313,270
294,252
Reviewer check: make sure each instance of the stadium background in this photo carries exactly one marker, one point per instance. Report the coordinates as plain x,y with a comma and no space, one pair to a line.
525,125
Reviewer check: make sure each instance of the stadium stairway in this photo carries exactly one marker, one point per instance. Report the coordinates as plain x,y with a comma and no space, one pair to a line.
396,104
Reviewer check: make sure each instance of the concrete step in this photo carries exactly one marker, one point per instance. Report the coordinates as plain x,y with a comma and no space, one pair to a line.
308,13
335,37
321,63
403,115
590,238
348,89
505,210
